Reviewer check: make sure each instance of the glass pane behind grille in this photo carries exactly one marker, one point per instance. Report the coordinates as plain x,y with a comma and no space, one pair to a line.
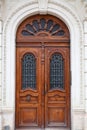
28,71
32,29
56,72
43,22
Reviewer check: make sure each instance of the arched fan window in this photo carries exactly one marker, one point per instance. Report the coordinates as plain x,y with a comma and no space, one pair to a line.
49,26
56,71
29,71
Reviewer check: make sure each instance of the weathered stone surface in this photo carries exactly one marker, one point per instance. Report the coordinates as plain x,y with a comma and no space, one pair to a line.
74,14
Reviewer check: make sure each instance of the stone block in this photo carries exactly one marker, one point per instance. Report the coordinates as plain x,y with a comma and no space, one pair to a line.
85,52
0,40
6,127
85,79
78,119
0,122
85,62
0,93
85,40
85,27
85,92
0,67
86,105
0,26
0,80
0,52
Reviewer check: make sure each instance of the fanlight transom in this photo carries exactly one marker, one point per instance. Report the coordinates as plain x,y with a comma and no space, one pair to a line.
43,25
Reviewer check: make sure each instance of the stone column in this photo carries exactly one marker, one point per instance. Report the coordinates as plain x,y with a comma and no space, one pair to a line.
85,71
0,75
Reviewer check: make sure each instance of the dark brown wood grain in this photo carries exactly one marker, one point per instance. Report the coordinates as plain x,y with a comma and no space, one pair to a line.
42,107
57,108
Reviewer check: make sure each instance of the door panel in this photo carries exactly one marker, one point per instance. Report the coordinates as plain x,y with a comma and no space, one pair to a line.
42,88
42,74
57,87
28,98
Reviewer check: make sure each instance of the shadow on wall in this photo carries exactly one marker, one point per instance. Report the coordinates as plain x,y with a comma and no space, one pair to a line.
6,127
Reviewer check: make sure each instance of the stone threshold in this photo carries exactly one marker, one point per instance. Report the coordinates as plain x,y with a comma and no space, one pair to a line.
45,129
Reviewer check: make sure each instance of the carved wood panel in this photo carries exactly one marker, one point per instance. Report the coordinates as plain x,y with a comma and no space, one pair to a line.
42,26
42,73
28,98
47,105
57,98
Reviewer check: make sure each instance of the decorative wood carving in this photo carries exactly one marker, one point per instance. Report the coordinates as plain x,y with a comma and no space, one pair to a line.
46,105
28,98
43,55
42,27
56,98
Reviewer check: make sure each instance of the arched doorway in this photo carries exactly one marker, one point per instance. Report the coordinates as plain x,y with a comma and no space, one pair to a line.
42,73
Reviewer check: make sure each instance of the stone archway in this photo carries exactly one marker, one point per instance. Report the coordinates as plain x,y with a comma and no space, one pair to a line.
43,73
10,27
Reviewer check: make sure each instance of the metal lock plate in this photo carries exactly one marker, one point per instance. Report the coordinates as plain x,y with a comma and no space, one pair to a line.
28,98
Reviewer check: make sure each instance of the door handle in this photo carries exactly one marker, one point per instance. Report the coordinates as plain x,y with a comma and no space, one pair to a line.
45,90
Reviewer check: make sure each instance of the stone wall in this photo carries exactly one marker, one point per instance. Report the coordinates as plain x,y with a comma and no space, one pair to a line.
0,70
78,11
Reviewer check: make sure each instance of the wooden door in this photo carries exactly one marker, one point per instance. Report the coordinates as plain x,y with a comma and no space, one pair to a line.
28,91
43,87
43,74
57,87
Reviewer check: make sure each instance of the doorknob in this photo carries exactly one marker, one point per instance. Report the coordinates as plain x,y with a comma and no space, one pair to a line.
28,98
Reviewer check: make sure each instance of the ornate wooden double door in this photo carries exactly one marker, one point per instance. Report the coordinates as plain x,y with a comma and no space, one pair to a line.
42,78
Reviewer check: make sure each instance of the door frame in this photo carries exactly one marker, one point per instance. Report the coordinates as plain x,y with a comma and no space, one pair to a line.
8,64
46,38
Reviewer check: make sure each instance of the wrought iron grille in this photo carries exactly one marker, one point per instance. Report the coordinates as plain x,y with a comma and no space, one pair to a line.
57,71
54,29
29,71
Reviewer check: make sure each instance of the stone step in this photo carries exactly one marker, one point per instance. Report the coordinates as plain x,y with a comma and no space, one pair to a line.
45,129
